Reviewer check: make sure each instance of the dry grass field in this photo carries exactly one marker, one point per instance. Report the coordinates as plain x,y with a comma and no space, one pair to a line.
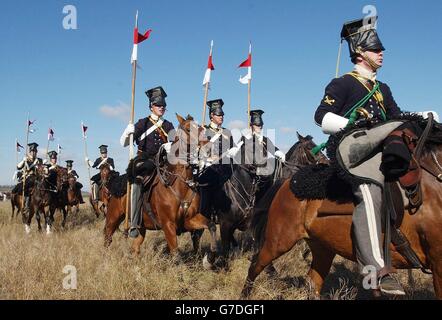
31,267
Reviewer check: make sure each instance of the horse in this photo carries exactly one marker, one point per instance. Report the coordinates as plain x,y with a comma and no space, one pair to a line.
41,197
48,192
73,193
106,174
174,199
288,219
16,203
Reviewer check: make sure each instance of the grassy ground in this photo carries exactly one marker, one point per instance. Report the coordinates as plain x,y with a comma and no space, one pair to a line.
31,267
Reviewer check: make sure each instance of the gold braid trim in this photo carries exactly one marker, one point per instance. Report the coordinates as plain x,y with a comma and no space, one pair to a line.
377,95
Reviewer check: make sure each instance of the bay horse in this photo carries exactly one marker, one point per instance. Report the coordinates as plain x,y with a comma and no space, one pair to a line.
106,174
326,226
16,203
174,199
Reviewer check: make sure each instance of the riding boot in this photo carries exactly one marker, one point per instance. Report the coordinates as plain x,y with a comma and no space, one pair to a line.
80,196
135,210
95,193
27,208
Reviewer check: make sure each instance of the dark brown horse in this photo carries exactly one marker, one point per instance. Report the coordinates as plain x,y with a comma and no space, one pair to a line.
174,198
44,188
73,199
327,227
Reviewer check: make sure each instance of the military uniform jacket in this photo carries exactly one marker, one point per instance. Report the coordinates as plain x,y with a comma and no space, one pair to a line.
345,92
28,167
151,143
99,162
220,140
73,173
255,150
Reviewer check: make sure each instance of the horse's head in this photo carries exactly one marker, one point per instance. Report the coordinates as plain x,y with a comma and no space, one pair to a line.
188,139
62,177
300,154
192,130
105,173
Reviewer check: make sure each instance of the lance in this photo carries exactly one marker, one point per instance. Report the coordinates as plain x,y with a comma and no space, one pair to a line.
248,77
49,137
206,82
28,124
86,156
131,121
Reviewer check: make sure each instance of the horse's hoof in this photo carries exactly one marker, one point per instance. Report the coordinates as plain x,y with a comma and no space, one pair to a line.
48,230
206,264
27,229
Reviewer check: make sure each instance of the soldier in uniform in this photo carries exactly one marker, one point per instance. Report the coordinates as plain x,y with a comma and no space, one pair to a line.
360,93
28,169
220,151
52,165
150,134
256,148
96,179
73,174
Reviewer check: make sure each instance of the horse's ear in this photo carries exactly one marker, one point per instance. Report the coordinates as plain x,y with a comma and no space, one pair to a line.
300,137
180,118
189,117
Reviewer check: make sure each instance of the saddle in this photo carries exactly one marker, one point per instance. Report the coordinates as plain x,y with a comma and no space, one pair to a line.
410,178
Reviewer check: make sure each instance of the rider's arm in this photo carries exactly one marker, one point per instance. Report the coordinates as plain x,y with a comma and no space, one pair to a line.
332,104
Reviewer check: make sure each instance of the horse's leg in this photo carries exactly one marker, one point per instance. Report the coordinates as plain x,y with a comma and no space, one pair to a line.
138,241
113,220
13,207
37,217
65,214
226,232
169,229
322,259
50,219
196,237
284,228
29,219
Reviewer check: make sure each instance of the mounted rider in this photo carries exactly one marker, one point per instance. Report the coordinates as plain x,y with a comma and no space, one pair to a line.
359,97
256,148
99,162
28,167
219,152
150,134
72,174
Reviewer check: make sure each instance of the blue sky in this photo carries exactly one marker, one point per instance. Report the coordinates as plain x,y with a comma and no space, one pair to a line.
65,76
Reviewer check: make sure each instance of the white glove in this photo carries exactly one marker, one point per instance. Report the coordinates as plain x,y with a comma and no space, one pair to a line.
130,129
167,147
124,140
232,152
45,161
88,162
280,155
424,114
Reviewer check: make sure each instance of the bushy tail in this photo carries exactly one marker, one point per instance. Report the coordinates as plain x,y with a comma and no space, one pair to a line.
260,213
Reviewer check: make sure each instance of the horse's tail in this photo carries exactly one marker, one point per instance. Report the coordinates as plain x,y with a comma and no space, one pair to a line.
260,213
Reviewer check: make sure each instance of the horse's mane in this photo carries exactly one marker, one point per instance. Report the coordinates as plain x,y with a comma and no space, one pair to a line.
293,148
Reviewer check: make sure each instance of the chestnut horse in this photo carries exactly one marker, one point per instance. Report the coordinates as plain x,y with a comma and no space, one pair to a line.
174,197
327,226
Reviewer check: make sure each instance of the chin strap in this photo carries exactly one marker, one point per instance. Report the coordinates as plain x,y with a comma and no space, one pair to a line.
372,64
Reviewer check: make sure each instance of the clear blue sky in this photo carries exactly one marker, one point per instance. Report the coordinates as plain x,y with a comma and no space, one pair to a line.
65,76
